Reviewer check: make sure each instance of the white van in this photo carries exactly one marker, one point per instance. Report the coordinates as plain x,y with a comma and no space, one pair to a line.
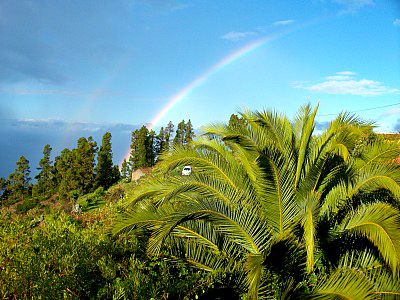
186,171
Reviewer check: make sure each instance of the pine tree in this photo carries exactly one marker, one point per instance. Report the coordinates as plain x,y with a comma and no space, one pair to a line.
18,181
115,175
126,170
45,179
3,184
134,149
105,176
189,133
66,174
141,146
236,122
179,138
85,163
167,135
159,143
75,169
150,149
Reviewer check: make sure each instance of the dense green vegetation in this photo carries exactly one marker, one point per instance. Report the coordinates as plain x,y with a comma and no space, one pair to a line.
280,212
61,256
271,210
50,250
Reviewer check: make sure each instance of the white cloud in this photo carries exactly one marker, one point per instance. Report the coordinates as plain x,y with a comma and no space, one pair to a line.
345,83
24,91
59,124
164,5
396,22
391,112
283,22
29,91
237,35
345,73
338,77
241,35
350,6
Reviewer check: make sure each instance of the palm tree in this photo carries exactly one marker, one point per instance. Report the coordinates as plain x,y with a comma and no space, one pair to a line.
279,210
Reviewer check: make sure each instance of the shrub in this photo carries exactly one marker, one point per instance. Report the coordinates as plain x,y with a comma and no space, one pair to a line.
27,205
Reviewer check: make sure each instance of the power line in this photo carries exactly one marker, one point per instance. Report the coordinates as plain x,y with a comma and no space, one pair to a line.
366,109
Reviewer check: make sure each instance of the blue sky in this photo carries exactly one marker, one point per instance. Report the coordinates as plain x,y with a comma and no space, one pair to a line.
97,65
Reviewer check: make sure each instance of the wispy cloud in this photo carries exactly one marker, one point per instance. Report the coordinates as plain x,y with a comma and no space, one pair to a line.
351,6
349,73
237,35
22,91
345,83
391,112
283,22
29,91
60,125
164,5
396,22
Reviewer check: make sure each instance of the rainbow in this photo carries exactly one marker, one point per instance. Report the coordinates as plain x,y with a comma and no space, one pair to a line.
183,93
200,80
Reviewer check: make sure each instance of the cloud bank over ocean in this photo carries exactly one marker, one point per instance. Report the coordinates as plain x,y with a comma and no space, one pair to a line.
30,135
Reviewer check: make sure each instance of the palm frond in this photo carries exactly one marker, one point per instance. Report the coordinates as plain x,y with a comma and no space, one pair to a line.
344,284
379,223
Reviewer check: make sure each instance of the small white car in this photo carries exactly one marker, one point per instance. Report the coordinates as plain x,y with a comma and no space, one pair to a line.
186,171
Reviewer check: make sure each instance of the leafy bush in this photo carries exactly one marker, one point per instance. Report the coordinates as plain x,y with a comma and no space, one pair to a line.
58,257
115,193
27,205
92,200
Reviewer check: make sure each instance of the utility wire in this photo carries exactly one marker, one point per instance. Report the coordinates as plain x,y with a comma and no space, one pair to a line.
366,109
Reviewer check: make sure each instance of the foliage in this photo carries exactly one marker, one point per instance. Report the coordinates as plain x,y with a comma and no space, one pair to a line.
46,178
75,168
189,133
92,200
184,133
18,183
126,171
105,170
26,205
142,150
58,256
3,184
236,122
169,129
283,212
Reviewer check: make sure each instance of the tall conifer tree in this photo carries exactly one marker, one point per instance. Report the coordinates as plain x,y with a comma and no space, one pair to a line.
159,143
179,138
134,149
45,179
126,170
168,133
105,176
189,133
85,163
3,183
236,122
150,149
18,181
141,155
75,169
66,174
139,147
